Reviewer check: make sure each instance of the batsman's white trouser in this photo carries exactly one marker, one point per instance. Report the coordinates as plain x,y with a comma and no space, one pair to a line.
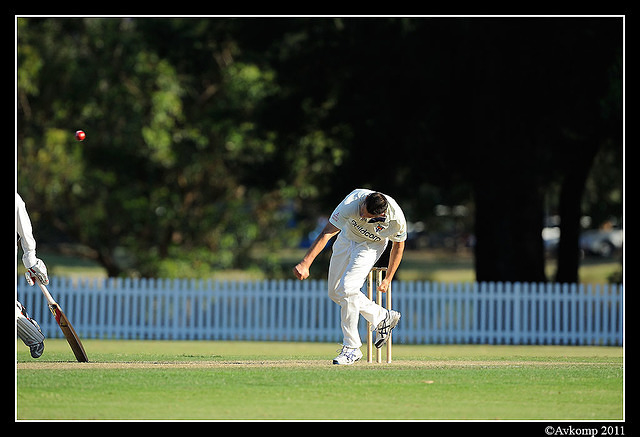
350,264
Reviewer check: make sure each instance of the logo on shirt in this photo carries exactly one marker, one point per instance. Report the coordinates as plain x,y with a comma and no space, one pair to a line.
365,232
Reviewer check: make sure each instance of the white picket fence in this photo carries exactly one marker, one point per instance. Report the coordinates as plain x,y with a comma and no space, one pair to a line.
292,310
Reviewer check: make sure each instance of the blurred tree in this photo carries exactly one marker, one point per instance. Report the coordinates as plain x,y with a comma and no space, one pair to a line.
149,183
593,127
204,134
449,110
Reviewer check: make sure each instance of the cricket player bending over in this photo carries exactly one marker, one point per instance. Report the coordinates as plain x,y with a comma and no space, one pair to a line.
28,329
364,221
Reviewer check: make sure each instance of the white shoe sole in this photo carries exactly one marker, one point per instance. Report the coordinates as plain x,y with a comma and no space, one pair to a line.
345,364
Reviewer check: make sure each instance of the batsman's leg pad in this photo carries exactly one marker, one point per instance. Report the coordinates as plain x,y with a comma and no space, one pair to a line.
28,329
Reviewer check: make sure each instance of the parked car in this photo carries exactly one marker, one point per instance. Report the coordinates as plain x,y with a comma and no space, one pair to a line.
551,238
601,242
598,242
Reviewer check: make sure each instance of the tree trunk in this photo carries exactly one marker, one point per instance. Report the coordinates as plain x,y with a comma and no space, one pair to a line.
107,261
570,211
508,226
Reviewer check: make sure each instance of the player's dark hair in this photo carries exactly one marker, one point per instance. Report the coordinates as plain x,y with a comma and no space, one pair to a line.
376,203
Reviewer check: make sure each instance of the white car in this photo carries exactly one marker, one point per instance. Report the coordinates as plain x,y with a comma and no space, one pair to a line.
551,238
601,242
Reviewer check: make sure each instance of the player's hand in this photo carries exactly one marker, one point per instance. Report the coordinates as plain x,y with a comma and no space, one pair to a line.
384,285
37,271
301,271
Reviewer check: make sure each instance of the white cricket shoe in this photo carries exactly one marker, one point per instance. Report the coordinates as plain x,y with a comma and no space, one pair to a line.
348,355
385,326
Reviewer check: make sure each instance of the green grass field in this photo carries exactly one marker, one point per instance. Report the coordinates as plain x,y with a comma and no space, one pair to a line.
209,380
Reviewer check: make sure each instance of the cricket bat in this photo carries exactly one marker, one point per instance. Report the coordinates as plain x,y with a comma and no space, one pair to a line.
65,326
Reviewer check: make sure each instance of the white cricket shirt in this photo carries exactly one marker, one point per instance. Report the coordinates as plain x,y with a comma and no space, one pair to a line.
25,232
346,217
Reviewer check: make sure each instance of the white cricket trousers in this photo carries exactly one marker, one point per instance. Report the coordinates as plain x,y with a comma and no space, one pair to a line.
348,269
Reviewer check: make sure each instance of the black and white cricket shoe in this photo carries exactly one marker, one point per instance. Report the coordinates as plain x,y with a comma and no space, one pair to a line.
383,330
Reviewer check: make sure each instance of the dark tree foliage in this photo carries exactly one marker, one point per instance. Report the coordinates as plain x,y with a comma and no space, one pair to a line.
207,138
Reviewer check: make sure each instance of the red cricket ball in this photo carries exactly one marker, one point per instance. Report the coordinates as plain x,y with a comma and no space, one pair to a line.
80,135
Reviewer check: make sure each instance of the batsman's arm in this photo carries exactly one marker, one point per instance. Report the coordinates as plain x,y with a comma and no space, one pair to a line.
301,270
395,256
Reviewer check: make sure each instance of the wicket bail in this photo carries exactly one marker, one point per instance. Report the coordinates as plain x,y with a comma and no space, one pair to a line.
377,271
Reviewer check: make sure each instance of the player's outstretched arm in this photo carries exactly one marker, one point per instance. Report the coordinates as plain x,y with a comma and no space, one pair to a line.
301,270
